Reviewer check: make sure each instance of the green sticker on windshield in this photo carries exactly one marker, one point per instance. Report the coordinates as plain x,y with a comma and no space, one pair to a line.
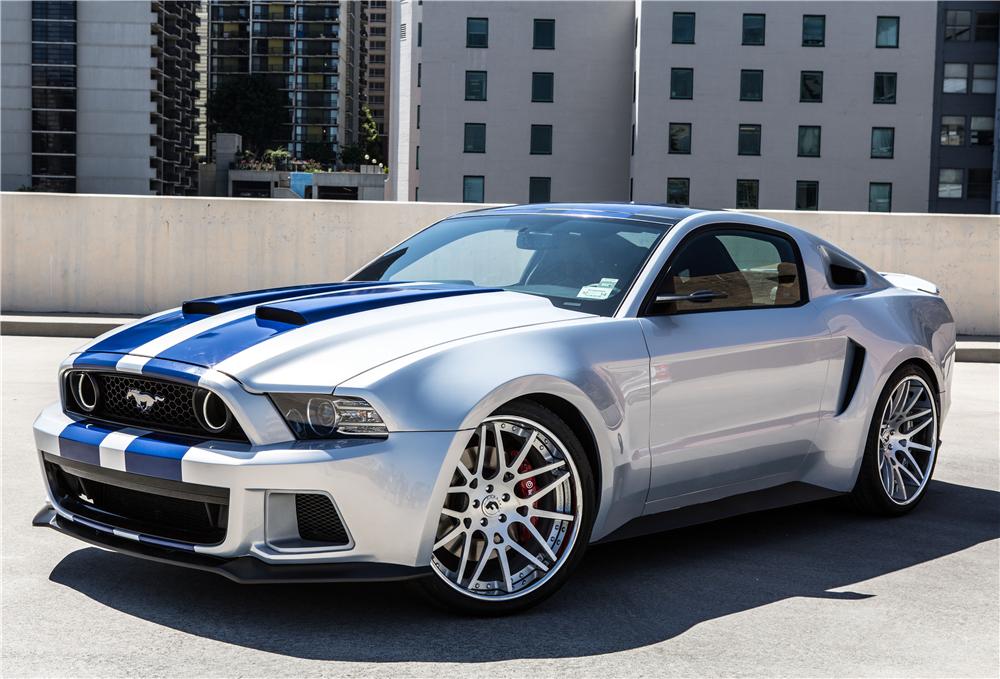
600,290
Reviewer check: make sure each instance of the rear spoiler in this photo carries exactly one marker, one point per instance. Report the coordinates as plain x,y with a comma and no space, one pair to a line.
908,282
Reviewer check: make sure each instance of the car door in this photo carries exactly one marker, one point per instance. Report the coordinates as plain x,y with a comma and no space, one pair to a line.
738,363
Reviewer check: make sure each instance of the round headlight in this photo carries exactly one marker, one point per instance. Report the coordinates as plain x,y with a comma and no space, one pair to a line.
322,416
84,390
211,411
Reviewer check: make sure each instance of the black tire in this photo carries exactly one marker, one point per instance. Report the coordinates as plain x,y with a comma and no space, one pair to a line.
445,595
869,495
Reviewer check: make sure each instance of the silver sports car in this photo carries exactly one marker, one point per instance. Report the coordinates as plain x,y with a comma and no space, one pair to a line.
480,403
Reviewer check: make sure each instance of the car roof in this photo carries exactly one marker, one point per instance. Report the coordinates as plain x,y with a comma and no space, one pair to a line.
647,212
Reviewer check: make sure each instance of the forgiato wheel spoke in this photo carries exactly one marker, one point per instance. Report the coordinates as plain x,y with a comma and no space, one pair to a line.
913,416
450,537
528,555
466,548
909,424
906,471
546,490
919,427
544,514
525,449
487,553
541,470
539,539
505,568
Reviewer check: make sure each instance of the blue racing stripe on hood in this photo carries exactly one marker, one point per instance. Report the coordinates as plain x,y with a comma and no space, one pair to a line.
216,305
218,344
137,335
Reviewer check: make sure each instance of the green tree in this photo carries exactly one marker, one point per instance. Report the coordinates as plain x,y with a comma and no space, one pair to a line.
369,135
251,107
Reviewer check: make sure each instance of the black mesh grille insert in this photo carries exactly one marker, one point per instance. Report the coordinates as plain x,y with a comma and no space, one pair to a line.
318,520
172,408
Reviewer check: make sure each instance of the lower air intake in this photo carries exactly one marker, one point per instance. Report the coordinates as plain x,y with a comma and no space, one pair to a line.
318,520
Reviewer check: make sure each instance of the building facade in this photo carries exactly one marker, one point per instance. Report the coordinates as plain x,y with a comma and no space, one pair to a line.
807,105
378,22
99,97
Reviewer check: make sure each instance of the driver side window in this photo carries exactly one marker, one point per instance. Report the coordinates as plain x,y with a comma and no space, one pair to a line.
751,269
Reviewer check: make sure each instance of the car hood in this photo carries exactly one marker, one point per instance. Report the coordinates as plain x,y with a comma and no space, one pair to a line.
312,338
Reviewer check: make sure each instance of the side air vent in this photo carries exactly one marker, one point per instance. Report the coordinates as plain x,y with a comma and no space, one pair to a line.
854,363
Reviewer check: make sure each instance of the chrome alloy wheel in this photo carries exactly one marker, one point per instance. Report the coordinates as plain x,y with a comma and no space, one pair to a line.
512,513
908,440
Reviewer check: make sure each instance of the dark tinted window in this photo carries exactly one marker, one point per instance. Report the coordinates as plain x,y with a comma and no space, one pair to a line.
806,195
542,85
979,182
749,140
539,189
477,32
680,138
887,32
813,30
747,193
46,98
473,189
545,34
53,9
53,54
753,29
681,83
53,31
475,138
683,28
53,76
678,191
811,86
475,85
53,165
885,88
751,85
44,142
986,26
54,121
809,141
541,139
883,142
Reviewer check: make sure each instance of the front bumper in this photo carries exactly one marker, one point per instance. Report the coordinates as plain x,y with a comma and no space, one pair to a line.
388,493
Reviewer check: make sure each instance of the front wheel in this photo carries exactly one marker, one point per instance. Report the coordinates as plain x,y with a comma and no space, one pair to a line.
517,516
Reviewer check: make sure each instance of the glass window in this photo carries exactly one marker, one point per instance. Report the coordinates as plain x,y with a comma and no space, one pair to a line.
986,26
55,9
46,142
420,33
583,263
53,76
416,158
956,78
984,78
747,193
45,98
64,166
475,138
418,113
51,183
981,131
44,53
680,138
887,32
753,269
751,85
979,183
880,197
806,195
420,69
539,189
950,183
53,31
681,83
477,32
545,34
753,29
809,141
678,191
811,86
813,30
749,140
958,25
475,85
952,130
542,86
473,189
883,142
683,28
541,140
885,88
53,121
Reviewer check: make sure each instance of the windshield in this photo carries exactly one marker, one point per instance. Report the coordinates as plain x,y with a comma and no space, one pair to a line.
581,263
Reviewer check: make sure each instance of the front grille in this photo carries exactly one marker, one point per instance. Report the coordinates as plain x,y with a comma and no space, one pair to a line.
319,520
172,411
173,510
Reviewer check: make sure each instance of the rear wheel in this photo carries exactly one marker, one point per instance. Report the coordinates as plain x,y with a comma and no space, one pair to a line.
902,445
517,516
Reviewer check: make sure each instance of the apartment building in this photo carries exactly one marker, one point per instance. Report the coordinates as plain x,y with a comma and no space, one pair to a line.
98,97
313,51
379,60
805,105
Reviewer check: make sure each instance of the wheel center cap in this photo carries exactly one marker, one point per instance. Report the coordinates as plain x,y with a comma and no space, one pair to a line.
491,505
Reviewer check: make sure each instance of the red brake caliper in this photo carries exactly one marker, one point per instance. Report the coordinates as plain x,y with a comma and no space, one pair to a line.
526,489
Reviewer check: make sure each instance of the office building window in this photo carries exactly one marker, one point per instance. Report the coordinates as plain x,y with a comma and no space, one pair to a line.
885,88
683,28
416,158
542,86
64,166
950,183
51,53
979,182
678,191
958,25
416,193
747,193
751,85
53,121
477,33
475,85
633,139
981,131
418,115
46,98
541,140
952,130
806,195
475,138
545,34
681,83
420,33
956,78
811,86
986,26
53,76
680,138
883,142
420,74
539,189
809,141
473,189
984,78
46,142
748,143
50,31
813,30
879,197
887,32
753,29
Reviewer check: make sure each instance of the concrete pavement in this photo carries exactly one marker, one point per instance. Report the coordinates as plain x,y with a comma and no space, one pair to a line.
810,590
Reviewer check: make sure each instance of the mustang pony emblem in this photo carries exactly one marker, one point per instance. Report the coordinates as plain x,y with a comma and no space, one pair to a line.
143,401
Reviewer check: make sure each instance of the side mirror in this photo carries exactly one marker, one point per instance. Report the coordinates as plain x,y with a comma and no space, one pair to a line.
698,297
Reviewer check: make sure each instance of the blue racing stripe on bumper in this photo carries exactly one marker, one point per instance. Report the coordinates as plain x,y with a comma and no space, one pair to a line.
158,455
81,441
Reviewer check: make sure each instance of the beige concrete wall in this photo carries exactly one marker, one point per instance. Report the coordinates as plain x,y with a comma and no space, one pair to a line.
138,254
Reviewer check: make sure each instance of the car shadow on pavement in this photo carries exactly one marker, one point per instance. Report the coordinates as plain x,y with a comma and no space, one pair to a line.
625,595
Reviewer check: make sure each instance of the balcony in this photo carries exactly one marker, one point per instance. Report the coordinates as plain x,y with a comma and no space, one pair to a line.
318,30
229,13
273,46
230,31
227,47
274,12
316,65
272,30
317,100
272,64
316,82
318,13
318,47
308,116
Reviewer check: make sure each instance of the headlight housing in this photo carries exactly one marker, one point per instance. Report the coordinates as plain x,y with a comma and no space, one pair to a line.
320,416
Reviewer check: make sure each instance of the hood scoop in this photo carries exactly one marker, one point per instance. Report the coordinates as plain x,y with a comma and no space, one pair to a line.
217,305
344,302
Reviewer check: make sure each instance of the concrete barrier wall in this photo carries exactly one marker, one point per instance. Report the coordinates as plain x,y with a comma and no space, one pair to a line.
138,254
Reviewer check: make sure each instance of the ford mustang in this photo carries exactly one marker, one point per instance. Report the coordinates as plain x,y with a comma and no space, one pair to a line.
476,406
